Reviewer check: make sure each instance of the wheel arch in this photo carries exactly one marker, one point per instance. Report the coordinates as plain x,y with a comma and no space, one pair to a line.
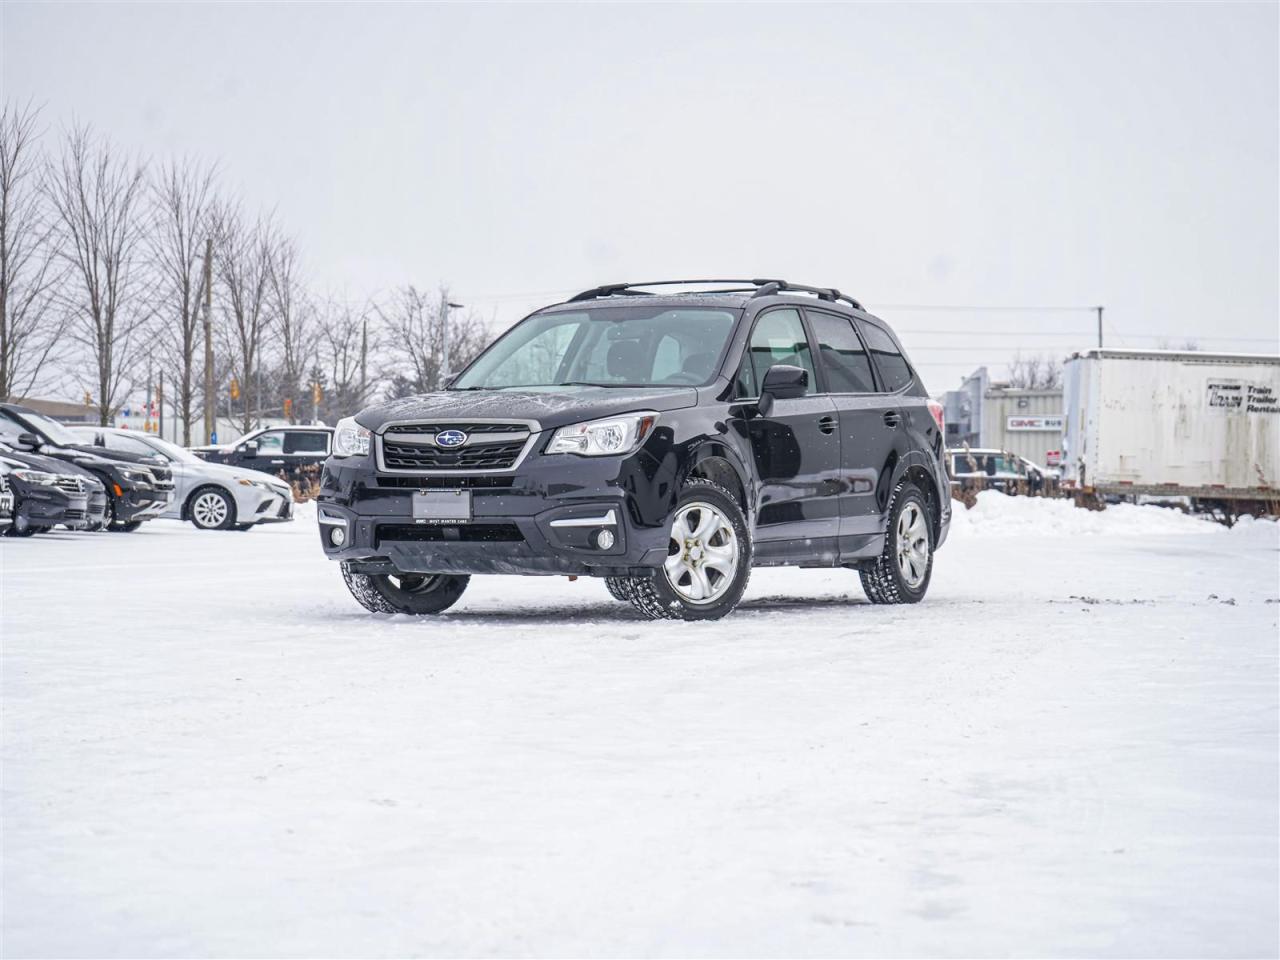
915,468
716,461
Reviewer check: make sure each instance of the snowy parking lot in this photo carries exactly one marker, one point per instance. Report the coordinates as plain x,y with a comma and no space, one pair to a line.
1070,748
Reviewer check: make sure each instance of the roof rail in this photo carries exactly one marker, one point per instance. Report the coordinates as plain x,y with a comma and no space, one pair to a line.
757,287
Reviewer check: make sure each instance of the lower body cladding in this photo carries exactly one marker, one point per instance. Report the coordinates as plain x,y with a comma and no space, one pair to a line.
476,525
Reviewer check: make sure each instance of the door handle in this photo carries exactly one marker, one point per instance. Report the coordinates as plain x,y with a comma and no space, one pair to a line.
828,424
892,418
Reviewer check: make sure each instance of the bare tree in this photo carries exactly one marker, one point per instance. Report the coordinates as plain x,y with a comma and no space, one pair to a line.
1035,373
344,348
242,263
182,220
30,327
415,339
295,324
97,196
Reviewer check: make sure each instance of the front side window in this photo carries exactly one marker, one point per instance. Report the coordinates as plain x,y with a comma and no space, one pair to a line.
894,371
778,337
844,361
270,442
606,346
311,441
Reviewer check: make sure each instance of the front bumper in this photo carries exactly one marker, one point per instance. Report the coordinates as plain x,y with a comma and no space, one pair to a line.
141,503
546,519
259,505
43,506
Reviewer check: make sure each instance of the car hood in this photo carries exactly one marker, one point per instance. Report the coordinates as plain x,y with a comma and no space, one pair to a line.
551,407
80,451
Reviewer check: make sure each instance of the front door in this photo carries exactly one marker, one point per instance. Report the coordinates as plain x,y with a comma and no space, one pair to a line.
796,448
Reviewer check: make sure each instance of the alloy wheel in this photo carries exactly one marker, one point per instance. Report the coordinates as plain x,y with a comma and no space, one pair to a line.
702,554
913,545
209,509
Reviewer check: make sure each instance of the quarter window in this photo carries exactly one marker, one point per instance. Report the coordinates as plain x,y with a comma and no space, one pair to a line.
894,371
779,337
844,361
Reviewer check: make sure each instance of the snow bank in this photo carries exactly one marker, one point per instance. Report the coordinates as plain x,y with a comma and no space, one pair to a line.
997,515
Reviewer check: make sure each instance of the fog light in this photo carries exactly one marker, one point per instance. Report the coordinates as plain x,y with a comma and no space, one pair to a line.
604,539
337,536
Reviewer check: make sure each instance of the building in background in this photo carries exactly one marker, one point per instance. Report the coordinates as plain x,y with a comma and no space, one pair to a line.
994,415
60,410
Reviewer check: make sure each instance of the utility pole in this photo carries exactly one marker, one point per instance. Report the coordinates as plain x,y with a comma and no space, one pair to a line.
364,361
444,322
1099,309
210,397
160,406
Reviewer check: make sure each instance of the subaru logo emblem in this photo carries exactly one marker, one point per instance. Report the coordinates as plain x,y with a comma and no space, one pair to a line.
450,438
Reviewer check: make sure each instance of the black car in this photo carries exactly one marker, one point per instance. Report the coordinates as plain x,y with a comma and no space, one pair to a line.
137,488
44,496
95,517
6,502
274,449
666,442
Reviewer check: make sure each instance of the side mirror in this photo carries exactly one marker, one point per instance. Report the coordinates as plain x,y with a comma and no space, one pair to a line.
251,448
28,441
782,382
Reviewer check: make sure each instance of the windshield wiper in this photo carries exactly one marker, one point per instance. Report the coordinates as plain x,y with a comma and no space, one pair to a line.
592,383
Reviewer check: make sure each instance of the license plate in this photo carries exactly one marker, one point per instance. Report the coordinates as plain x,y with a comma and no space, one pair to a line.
442,506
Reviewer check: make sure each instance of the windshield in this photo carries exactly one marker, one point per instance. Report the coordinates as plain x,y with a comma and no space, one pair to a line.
52,429
631,346
172,450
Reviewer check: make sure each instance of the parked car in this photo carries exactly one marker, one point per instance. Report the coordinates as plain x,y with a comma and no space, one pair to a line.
6,501
277,450
43,499
138,488
96,509
667,443
982,469
211,495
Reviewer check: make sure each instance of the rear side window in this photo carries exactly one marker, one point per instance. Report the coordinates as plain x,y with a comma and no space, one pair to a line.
894,371
306,442
778,337
844,360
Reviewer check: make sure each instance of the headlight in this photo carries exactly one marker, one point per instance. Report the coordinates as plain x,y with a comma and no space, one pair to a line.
610,437
350,439
138,476
37,476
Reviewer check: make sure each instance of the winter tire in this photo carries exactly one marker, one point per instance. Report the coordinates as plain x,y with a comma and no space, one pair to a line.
708,558
619,588
211,509
901,573
416,593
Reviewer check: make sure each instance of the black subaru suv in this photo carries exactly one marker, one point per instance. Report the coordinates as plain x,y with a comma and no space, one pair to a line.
667,442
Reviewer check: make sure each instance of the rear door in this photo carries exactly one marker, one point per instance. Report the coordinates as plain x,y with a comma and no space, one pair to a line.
868,425
796,449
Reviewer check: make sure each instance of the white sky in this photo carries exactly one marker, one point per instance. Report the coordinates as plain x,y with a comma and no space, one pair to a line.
1121,154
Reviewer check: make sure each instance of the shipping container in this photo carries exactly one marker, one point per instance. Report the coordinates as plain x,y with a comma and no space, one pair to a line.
1197,425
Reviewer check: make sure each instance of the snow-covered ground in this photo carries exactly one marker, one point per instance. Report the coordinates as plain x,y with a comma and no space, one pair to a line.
1069,749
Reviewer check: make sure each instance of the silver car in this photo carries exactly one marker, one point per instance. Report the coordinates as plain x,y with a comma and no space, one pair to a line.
212,496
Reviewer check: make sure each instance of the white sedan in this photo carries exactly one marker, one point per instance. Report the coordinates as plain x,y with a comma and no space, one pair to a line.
212,496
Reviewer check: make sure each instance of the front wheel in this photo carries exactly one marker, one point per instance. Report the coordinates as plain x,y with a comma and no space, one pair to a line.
708,558
212,509
416,593
901,573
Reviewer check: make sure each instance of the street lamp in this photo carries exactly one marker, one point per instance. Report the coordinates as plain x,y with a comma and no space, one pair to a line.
444,321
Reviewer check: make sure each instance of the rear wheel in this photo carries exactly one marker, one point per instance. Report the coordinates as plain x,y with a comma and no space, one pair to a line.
708,559
901,573
416,593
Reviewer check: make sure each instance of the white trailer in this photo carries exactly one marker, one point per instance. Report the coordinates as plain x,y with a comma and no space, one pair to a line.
1200,425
